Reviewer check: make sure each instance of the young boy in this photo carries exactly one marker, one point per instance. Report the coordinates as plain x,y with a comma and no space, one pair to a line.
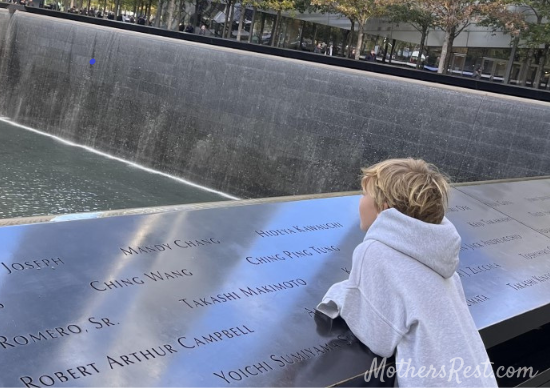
403,295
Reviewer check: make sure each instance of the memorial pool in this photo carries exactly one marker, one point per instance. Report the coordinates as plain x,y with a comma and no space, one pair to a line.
44,175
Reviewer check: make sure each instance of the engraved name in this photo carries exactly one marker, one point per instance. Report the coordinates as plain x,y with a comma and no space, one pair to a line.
140,356
232,332
137,281
52,334
477,300
42,335
538,199
34,264
547,230
535,254
48,380
298,229
532,281
282,360
540,214
476,269
483,222
498,203
244,372
483,243
284,255
311,352
455,209
245,292
145,249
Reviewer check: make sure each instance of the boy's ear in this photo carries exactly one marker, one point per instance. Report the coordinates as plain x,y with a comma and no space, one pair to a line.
385,207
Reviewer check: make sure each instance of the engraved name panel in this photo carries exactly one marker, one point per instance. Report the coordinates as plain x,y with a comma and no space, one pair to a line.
220,297
498,252
527,201
223,297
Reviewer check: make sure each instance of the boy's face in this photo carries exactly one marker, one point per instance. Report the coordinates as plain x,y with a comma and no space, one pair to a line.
367,211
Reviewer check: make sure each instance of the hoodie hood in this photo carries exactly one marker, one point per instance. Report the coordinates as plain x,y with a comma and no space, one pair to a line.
434,245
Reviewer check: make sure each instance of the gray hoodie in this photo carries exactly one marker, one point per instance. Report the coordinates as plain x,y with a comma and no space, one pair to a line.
404,297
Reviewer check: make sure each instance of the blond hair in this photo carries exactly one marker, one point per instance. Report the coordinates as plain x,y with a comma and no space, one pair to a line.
412,186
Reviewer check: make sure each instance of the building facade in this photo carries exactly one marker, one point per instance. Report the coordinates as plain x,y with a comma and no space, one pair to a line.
477,48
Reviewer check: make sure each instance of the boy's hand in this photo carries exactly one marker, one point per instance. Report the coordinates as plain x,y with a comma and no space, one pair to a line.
327,326
329,308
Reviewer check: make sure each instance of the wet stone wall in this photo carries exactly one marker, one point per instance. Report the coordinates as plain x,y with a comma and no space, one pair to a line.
249,124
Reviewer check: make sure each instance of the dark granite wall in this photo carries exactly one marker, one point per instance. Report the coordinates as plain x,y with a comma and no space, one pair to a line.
249,124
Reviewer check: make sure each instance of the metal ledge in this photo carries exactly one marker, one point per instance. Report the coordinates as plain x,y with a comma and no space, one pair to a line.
163,209
211,205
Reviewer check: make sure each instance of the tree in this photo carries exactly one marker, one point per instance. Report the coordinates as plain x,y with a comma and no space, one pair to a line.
310,6
171,10
358,12
158,14
226,33
528,26
279,6
453,16
252,22
420,19
242,12
535,35
242,9
200,7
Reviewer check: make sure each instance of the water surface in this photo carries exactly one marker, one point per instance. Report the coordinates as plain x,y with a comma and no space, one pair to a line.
41,175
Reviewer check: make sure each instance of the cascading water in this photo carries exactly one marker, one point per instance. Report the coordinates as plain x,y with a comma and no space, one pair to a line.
42,175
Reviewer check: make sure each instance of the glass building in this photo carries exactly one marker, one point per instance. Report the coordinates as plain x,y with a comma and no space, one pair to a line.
476,48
